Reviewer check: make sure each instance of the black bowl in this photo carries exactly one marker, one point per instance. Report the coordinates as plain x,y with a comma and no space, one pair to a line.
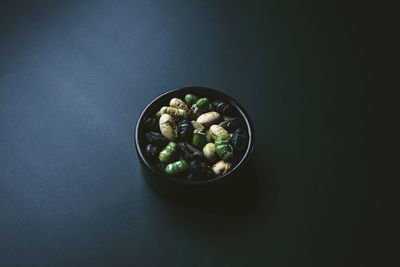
174,186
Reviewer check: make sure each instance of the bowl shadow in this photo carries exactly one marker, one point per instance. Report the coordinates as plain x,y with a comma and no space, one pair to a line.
251,192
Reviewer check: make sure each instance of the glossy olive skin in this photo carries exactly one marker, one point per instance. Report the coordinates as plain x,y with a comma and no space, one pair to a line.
156,139
199,139
151,123
200,170
222,108
176,167
190,99
239,140
209,139
203,104
153,151
185,130
231,125
189,152
168,153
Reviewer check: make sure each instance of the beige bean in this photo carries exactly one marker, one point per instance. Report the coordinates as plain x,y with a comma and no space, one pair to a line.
178,103
168,127
221,167
198,126
174,112
208,118
216,130
209,151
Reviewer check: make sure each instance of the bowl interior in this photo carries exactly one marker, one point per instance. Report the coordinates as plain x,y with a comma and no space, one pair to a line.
163,100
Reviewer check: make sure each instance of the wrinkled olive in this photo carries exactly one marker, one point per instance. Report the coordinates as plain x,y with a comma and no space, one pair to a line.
216,130
185,130
240,140
176,167
209,151
189,152
168,127
190,99
168,153
156,139
221,167
152,151
231,125
223,148
199,139
208,118
178,104
174,112
151,123
222,107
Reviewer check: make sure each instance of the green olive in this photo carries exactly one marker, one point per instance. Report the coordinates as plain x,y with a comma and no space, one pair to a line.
223,148
190,99
168,153
199,139
204,105
201,106
208,137
176,167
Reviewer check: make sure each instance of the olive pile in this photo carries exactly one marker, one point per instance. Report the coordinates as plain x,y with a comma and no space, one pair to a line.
195,139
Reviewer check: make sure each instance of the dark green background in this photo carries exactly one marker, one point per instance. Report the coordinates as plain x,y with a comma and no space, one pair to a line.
75,75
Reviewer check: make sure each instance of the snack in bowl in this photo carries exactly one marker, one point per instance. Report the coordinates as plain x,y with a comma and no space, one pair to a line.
195,138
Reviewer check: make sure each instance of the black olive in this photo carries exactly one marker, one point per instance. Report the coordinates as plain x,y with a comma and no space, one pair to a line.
151,124
239,140
185,130
153,151
156,139
195,167
189,152
222,108
231,125
200,170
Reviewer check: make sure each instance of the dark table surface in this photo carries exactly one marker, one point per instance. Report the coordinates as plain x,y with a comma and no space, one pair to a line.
74,77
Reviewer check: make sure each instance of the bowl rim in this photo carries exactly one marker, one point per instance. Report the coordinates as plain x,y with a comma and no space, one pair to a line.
243,161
